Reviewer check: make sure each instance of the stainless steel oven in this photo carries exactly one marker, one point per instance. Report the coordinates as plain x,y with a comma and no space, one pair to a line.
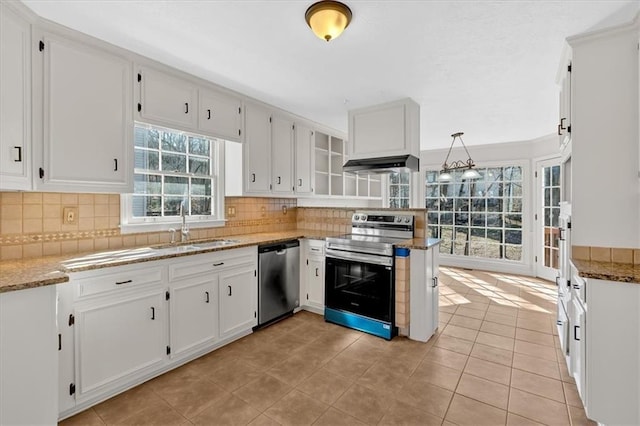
360,276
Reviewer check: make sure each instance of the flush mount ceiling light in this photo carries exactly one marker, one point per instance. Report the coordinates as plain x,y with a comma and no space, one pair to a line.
328,19
467,166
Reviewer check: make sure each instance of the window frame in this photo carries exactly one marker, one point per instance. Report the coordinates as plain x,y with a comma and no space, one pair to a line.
527,200
132,224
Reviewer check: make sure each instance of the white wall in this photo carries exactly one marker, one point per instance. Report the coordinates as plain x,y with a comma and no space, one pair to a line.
524,153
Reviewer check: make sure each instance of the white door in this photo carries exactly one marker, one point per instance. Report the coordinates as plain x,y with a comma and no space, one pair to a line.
194,313
117,339
315,283
15,102
220,115
87,126
548,184
257,150
167,100
282,155
238,292
304,159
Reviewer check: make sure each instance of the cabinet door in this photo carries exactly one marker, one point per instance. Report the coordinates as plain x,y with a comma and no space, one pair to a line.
167,100
220,115
194,314
304,164
315,283
238,301
15,102
87,126
257,150
577,336
282,155
118,340
66,361
435,297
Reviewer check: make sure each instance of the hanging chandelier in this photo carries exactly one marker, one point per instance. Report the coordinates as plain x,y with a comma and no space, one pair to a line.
467,166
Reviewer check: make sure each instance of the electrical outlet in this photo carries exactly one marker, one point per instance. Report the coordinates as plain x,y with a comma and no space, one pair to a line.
70,215
231,211
263,211
284,209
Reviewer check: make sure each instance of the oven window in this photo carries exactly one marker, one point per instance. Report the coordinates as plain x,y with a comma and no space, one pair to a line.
362,288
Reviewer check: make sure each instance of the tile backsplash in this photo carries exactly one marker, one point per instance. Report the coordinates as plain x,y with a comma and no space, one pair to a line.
31,223
606,254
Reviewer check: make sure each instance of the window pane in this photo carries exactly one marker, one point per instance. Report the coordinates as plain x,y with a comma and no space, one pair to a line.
147,138
462,218
547,217
495,235
174,163
404,178
555,197
175,142
432,204
513,189
513,173
432,218
494,220
513,237
146,160
394,191
513,205
404,191
478,219
479,205
494,189
446,204
147,184
200,205
394,178
446,218
176,185
201,186
172,206
461,204
513,221
477,189
555,214
494,251
433,232
547,196
513,252
146,206
555,175
433,191
199,166
494,204
432,177
199,146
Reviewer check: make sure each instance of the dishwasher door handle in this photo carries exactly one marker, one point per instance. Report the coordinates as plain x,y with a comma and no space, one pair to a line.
281,252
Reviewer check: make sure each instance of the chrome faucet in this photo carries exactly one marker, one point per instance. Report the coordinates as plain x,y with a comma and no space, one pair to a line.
173,235
184,231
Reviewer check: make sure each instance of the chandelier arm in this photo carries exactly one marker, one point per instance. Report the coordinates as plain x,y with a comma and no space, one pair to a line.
444,165
466,150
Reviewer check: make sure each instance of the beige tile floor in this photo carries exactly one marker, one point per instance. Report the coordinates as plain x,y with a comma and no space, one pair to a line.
494,361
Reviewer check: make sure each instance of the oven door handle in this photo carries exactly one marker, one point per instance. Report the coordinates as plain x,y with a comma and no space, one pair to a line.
359,257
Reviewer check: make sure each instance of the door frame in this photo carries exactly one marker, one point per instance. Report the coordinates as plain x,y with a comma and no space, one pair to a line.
540,270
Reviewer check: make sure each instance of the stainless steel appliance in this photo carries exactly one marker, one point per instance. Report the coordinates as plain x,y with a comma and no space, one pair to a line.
278,280
359,272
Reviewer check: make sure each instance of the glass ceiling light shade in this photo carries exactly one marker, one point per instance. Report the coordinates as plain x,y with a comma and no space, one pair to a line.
328,19
467,166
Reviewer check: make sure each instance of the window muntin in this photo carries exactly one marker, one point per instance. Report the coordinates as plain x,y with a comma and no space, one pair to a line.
399,190
173,169
478,218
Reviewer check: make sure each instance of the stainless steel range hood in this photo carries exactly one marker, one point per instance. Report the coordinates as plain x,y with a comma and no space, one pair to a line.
398,163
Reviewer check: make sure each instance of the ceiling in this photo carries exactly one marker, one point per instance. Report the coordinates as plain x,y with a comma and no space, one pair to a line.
486,68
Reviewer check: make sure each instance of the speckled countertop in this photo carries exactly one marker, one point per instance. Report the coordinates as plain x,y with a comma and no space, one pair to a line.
31,273
608,271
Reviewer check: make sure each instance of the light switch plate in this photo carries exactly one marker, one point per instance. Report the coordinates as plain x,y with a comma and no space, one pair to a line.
70,215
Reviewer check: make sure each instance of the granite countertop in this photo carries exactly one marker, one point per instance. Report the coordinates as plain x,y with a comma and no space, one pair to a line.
420,243
30,273
608,271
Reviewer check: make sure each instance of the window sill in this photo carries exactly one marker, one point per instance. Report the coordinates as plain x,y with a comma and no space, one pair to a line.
133,228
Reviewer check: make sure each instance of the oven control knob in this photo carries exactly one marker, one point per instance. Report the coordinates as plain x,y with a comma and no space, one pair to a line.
407,220
398,219
363,217
356,217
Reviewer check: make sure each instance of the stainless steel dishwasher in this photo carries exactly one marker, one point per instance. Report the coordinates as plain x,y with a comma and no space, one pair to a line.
278,280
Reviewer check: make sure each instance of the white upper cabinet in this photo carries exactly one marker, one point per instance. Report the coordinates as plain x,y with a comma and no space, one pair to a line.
282,154
15,102
564,81
220,115
82,117
167,100
257,149
385,130
304,154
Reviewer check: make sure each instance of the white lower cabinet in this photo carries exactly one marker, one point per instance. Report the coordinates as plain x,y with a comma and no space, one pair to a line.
312,276
577,347
194,314
424,293
238,300
119,340
119,326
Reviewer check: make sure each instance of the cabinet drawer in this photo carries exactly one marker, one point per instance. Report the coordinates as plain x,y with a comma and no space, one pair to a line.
211,262
116,279
316,247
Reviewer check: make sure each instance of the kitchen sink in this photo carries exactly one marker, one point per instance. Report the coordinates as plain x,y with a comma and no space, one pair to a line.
182,248
215,243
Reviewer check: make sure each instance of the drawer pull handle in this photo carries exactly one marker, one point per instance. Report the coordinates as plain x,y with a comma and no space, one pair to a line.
435,282
279,180
153,313
115,164
317,272
59,341
575,332
123,282
218,264
207,295
19,148
299,182
559,322
186,108
253,177
208,114
229,290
